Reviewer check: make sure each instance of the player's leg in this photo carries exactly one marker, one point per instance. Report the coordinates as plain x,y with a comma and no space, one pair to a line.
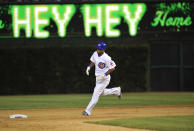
100,86
112,91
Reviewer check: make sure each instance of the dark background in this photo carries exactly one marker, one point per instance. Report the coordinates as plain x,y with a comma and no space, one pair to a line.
61,69
154,60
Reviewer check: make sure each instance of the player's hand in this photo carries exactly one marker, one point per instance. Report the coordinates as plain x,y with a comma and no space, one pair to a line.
88,70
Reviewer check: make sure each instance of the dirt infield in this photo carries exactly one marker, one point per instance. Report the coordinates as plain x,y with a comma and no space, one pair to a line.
70,119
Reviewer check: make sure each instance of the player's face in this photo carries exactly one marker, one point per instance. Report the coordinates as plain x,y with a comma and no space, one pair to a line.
100,51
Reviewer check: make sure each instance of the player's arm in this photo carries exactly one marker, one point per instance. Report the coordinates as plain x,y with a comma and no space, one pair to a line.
109,71
105,74
111,65
89,67
91,64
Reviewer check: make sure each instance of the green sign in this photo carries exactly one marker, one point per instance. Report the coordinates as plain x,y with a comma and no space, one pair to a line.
165,15
35,17
102,17
1,24
93,20
105,17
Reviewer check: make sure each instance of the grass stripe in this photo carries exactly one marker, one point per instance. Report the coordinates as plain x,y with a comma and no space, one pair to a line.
81,100
162,123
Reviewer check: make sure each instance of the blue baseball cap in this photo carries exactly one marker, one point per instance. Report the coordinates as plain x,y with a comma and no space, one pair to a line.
101,46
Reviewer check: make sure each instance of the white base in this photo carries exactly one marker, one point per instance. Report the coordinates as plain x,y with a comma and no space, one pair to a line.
18,116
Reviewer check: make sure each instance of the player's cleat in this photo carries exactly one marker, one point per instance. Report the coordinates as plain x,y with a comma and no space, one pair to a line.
85,113
120,95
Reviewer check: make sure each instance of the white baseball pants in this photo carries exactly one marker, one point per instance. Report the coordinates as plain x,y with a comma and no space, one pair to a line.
100,90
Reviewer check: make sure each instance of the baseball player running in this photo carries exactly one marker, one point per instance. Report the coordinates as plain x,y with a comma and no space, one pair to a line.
104,66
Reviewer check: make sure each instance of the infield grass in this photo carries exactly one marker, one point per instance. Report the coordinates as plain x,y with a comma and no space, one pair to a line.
81,100
162,123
